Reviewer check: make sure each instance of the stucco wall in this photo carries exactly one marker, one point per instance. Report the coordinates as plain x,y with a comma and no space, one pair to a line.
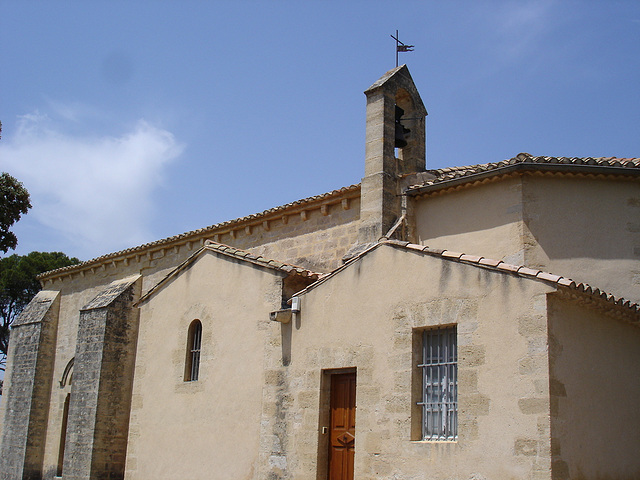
365,317
207,428
586,229
483,220
595,386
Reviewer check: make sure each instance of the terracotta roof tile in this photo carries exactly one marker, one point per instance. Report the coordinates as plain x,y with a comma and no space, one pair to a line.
565,283
549,277
438,178
471,258
524,161
530,272
413,246
489,262
259,260
507,267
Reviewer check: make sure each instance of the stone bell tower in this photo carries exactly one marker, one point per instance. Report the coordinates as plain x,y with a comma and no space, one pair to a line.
392,153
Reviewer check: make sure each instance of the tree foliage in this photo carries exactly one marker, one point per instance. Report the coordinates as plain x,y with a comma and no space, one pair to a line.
14,201
18,285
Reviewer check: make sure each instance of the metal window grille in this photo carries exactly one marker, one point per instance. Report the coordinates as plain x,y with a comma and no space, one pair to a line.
440,384
196,340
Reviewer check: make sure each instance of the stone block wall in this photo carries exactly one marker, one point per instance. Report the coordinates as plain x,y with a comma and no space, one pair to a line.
101,392
313,235
315,238
28,385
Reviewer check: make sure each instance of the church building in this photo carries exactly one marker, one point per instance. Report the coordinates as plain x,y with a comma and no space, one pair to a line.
479,322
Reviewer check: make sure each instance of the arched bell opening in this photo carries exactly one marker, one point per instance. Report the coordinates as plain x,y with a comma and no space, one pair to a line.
409,134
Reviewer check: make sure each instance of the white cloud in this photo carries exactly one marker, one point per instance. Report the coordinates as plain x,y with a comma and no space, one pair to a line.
521,25
94,190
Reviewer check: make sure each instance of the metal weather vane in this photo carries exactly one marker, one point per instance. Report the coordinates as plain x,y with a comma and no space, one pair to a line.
401,47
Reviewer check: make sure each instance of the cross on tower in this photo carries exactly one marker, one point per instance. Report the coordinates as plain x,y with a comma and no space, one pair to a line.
401,47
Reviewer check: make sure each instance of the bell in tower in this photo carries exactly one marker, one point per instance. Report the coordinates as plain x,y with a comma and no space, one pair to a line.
401,132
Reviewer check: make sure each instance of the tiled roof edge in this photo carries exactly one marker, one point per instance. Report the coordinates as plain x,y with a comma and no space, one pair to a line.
525,272
525,162
232,252
199,232
259,260
562,283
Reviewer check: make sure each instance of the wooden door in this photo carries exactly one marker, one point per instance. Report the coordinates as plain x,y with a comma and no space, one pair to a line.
343,426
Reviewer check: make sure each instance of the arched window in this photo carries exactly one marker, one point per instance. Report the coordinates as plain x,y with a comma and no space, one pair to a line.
67,375
194,340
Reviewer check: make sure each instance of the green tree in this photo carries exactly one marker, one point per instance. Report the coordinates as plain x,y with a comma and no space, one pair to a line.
14,201
18,285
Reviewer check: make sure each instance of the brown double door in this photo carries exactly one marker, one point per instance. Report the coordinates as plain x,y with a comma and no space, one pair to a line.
343,426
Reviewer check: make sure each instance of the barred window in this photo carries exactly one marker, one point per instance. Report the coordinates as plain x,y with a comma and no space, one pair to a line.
194,340
439,384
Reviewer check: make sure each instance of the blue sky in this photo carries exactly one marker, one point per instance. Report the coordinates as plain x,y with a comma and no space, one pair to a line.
134,121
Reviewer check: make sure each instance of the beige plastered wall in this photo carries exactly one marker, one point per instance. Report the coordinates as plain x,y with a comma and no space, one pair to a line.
480,220
207,428
595,386
365,318
318,238
587,229
583,228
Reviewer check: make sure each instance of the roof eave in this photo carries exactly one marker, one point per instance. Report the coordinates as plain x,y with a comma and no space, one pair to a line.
522,168
619,307
282,269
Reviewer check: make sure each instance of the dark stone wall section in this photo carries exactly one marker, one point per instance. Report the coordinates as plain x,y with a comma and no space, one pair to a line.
102,383
31,351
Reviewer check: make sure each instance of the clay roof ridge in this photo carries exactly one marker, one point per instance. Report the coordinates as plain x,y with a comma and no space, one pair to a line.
199,231
259,260
447,174
522,271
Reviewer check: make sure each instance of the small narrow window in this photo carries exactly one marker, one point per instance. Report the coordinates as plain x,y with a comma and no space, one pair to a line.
63,434
194,340
439,367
